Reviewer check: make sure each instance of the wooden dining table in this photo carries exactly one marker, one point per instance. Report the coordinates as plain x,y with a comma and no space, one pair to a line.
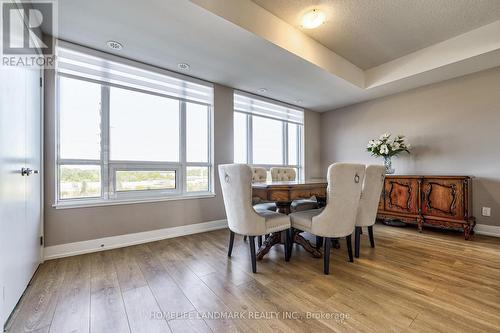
283,193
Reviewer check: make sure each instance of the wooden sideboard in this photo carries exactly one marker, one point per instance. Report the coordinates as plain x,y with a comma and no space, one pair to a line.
440,201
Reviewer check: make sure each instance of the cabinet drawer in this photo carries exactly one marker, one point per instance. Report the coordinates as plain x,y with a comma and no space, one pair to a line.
443,197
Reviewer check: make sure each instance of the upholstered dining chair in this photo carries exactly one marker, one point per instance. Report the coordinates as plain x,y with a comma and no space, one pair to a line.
337,219
260,175
289,174
242,218
368,204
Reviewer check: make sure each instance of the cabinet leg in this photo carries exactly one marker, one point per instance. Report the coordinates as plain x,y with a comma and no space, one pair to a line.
420,222
467,232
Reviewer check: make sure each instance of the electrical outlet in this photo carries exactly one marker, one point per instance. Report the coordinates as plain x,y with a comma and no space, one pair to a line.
486,211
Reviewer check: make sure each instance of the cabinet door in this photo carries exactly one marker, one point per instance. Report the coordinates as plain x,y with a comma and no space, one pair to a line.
443,197
401,195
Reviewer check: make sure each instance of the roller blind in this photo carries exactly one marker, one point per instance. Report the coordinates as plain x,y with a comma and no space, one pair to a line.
260,106
75,60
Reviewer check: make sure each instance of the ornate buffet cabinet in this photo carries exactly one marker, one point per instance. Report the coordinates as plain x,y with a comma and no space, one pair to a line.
441,201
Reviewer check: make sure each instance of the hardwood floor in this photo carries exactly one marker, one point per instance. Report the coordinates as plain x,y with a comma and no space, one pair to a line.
410,282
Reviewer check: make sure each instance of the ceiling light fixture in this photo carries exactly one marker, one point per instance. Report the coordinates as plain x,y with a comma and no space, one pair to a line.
298,101
183,66
313,19
262,90
112,44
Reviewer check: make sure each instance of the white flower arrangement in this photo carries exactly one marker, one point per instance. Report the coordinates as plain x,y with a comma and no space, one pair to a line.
384,147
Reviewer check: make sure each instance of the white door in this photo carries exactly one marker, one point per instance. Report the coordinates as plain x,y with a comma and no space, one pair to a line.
20,195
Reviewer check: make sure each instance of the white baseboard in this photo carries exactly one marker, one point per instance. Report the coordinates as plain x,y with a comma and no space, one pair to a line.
107,243
488,230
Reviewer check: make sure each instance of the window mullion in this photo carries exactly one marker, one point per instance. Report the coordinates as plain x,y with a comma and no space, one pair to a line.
106,179
300,159
285,143
181,182
249,139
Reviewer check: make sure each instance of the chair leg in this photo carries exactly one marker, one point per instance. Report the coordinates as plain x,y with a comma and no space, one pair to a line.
357,240
244,238
370,234
252,253
326,256
335,243
319,242
259,241
231,242
349,247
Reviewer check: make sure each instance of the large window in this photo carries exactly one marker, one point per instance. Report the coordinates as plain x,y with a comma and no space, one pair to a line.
121,140
267,133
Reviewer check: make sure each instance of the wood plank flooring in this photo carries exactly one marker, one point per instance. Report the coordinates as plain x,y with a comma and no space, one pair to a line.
411,282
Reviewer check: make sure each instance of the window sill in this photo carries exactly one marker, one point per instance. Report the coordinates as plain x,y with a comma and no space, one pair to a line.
99,203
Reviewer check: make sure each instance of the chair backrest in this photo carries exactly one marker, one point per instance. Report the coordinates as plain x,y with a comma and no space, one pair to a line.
283,174
259,174
370,195
338,218
236,184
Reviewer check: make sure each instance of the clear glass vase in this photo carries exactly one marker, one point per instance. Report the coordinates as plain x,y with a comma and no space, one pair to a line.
388,165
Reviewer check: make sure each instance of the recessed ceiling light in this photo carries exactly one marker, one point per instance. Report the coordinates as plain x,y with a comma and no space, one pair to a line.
298,101
112,44
313,19
262,90
183,66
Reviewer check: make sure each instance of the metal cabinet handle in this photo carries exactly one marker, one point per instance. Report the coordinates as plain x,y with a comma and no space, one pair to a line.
28,171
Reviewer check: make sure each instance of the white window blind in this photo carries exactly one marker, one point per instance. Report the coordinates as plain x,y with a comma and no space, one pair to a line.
260,106
74,60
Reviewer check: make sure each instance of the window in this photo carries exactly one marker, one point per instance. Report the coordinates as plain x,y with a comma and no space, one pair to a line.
126,133
143,127
267,133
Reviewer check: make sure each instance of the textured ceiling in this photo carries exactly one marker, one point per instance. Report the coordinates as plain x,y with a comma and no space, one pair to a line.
372,32
165,33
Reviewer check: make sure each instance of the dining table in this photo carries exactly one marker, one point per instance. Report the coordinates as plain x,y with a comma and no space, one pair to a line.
283,193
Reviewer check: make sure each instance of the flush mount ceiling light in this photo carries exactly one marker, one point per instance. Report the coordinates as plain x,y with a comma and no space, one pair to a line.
313,19
112,44
262,90
183,66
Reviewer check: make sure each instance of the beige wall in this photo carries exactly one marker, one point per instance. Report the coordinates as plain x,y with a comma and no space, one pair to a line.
454,127
79,224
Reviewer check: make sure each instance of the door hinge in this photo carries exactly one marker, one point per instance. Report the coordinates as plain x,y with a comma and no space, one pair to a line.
41,240
41,81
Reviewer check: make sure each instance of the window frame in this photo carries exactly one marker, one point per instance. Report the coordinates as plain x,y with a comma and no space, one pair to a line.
144,166
109,195
285,157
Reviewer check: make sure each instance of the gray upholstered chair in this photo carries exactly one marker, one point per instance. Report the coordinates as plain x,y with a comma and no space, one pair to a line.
236,183
368,204
337,219
289,174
